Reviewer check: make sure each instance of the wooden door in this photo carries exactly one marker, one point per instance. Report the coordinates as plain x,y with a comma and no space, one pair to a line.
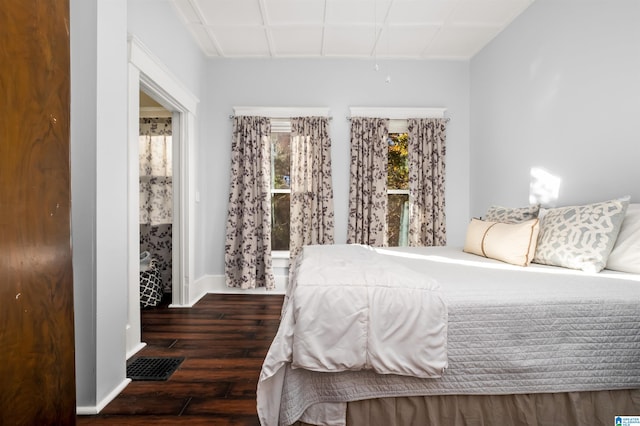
37,379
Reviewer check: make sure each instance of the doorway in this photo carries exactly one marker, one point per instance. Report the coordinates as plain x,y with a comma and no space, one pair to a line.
155,150
148,75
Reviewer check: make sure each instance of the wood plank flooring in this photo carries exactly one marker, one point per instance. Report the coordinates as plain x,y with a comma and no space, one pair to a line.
224,339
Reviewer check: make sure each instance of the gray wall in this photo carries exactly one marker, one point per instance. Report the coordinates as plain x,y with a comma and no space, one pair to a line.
559,89
337,84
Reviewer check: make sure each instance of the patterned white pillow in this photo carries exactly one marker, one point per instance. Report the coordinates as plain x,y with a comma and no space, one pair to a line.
580,237
625,256
511,215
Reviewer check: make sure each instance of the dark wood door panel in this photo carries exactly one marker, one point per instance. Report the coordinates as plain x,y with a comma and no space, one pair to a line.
37,379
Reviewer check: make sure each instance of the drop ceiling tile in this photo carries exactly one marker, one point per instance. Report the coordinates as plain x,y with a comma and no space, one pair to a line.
294,12
460,42
348,41
408,42
241,41
420,11
230,12
297,41
488,12
341,12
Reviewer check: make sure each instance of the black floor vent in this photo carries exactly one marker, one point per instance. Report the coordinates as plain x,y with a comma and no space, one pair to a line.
152,368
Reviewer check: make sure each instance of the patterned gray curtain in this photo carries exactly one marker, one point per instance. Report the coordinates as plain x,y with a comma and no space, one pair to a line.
427,222
311,187
368,181
156,194
248,233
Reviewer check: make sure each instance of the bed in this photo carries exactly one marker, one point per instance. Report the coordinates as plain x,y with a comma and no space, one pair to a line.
532,344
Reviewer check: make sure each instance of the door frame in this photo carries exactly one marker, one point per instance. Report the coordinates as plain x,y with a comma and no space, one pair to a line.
148,73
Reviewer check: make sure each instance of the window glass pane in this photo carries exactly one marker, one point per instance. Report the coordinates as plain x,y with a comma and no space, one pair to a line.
280,160
398,166
280,221
397,219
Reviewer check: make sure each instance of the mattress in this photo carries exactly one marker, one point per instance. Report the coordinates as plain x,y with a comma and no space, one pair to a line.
511,330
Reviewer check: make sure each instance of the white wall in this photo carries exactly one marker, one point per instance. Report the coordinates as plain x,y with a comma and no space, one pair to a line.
337,84
98,185
559,89
159,27
99,168
83,16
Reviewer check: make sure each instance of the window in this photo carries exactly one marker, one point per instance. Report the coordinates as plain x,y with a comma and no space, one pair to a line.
280,183
397,189
421,204
280,118
397,184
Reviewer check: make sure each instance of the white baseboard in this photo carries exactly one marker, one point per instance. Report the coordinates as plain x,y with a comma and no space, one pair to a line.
93,410
216,284
136,349
196,290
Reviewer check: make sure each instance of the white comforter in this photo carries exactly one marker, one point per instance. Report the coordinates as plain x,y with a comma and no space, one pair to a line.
348,308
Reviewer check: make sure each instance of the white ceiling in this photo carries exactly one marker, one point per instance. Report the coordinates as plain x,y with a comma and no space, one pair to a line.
417,29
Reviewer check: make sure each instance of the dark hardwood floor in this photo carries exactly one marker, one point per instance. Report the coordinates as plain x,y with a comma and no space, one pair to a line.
224,339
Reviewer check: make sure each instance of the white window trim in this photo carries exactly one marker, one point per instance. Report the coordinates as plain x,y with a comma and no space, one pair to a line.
281,190
398,126
280,258
397,113
281,112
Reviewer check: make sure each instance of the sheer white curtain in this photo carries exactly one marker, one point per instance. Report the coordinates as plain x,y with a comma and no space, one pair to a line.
156,193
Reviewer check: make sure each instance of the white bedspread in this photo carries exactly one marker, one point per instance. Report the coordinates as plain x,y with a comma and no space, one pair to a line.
349,308
510,330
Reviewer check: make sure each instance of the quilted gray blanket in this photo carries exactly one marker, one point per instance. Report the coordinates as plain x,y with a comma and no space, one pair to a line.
511,330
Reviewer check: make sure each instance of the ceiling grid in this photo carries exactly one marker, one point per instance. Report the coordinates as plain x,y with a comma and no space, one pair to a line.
411,29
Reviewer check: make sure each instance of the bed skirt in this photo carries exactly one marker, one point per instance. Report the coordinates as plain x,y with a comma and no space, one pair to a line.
540,409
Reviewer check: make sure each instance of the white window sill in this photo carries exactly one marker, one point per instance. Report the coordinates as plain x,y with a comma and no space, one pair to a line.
280,258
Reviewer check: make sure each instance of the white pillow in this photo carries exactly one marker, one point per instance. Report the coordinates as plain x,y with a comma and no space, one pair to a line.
511,215
513,243
625,256
580,237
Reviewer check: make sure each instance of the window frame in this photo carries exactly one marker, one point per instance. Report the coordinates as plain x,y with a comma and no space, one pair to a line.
397,126
398,123
281,257
279,125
